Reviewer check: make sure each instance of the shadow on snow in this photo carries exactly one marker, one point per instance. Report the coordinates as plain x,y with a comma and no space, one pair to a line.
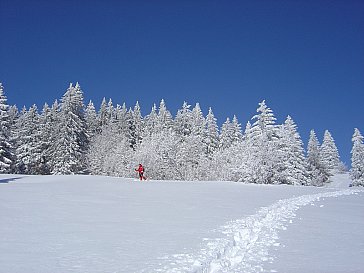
7,180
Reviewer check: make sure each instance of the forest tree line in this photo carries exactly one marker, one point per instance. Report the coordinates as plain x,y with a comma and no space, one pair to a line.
70,137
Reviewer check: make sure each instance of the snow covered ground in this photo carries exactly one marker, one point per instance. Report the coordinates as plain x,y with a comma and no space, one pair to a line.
103,224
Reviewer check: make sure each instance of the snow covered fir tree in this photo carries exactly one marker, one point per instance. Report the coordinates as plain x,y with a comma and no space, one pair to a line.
70,137
357,159
6,148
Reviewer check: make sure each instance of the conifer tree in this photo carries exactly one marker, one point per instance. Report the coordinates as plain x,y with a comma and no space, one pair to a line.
236,130
196,148
122,117
110,111
53,121
226,135
357,159
198,122
190,128
91,120
291,164
47,136
230,133
240,158
212,134
183,120
260,163
103,113
319,174
313,150
264,121
165,119
71,144
29,145
6,147
247,132
17,135
150,122
135,126
13,115
330,153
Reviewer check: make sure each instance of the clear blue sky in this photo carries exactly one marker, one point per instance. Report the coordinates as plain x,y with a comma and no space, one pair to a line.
304,57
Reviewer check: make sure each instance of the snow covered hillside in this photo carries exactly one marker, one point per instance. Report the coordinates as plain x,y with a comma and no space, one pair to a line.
102,224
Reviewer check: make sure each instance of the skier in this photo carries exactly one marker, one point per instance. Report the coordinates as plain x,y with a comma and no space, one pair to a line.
140,170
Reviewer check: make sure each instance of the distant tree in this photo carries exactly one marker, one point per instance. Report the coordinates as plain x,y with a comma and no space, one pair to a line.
198,122
91,119
330,153
122,119
29,149
225,137
247,132
150,122
236,130
230,133
53,124
240,158
197,148
110,153
104,117
48,134
158,148
157,152
110,111
212,134
313,149
291,165
164,118
182,121
26,138
227,164
136,125
122,116
13,114
260,162
357,159
319,173
190,130
6,147
72,142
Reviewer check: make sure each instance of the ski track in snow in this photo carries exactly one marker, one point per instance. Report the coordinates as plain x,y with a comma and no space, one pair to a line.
243,244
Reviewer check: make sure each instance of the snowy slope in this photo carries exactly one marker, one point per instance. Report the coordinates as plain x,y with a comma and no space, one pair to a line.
103,224
340,180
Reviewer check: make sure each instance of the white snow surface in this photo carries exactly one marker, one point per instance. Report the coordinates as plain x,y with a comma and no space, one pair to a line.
103,224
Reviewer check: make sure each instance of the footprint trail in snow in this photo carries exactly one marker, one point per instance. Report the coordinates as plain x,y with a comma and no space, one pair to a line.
243,244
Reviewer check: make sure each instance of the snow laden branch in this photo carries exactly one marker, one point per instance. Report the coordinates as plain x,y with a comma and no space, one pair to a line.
70,137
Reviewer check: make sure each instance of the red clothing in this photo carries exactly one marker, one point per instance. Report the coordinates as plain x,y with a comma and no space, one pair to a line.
140,170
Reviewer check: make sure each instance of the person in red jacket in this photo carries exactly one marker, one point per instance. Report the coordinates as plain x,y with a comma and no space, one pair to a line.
140,170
